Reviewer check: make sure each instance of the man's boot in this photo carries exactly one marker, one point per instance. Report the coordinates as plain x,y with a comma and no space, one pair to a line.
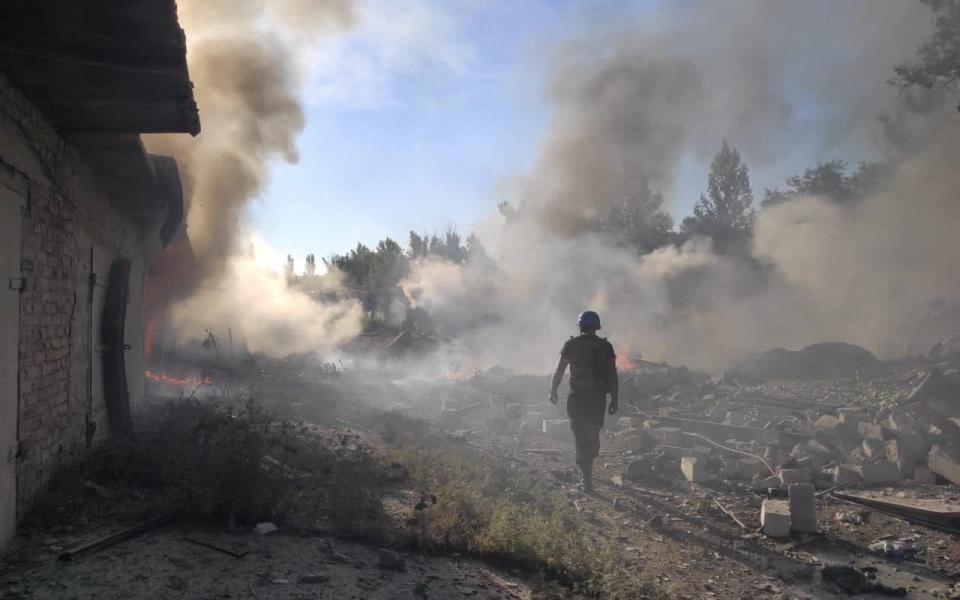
586,470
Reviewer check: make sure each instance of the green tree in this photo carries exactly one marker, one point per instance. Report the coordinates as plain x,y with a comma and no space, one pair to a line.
937,63
725,213
638,219
830,179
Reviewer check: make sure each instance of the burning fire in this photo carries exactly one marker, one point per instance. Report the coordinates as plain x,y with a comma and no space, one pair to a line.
623,358
164,378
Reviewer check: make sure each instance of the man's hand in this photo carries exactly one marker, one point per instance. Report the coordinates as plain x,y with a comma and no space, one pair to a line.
553,397
612,409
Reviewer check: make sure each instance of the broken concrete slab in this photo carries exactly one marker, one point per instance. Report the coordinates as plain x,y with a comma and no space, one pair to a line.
880,472
775,518
791,476
694,469
924,476
830,427
556,427
899,453
945,462
803,508
870,431
846,475
639,470
874,449
901,421
762,485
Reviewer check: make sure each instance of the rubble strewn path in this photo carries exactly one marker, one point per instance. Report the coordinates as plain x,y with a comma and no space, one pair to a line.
686,511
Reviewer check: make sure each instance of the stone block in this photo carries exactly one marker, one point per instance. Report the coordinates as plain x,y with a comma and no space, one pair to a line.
639,470
901,421
871,431
775,518
874,449
827,425
880,472
762,485
803,508
900,453
850,418
694,469
945,462
791,476
846,475
924,476
559,428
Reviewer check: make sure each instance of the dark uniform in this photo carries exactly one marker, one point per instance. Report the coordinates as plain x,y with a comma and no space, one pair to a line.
590,359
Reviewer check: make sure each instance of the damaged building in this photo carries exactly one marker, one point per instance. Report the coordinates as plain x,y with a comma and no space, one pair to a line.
82,208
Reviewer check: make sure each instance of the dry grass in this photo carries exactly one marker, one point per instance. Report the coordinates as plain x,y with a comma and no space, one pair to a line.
488,510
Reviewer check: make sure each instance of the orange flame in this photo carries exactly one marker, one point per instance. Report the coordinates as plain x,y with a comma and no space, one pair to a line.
623,358
164,378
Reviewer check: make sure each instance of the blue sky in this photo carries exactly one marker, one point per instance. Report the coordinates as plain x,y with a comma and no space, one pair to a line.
419,115
417,143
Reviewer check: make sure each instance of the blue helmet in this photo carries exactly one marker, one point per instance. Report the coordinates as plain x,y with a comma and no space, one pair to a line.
589,320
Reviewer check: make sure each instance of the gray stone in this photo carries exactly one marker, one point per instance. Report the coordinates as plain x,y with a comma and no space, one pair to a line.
694,469
900,453
874,449
762,485
775,518
846,475
791,476
923,475
638,470
901,421
945,462
314,578
803,508
870,431
559,428
880,472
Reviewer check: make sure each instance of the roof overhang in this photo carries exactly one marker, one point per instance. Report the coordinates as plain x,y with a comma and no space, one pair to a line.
100,66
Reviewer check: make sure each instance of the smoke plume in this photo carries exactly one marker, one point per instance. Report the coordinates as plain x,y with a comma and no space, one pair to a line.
256,307
631,99
245,59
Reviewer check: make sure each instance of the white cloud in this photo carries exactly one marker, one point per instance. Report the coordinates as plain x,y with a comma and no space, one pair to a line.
391,39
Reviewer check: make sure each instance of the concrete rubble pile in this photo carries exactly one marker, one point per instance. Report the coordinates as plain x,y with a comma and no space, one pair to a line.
676,423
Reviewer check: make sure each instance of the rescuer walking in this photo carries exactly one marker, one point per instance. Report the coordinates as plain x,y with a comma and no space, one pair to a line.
593,375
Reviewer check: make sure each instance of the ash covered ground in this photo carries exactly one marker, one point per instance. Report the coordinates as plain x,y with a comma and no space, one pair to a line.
390,487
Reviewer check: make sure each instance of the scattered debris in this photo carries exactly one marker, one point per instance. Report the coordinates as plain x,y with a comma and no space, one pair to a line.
900,549
265,528
114,538
226,551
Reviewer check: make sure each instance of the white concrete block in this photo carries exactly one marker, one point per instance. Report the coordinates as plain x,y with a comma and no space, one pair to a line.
775,518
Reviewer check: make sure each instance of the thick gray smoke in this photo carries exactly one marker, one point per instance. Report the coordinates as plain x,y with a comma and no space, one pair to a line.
247,59
630,100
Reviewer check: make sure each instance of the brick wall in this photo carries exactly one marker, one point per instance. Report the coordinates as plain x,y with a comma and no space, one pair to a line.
69,231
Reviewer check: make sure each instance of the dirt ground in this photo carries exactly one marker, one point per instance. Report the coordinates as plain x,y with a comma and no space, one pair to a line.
670,531
162,565
675,534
